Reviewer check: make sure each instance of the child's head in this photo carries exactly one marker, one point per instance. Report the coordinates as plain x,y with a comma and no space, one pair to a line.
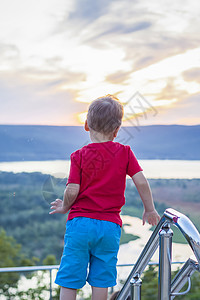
105,115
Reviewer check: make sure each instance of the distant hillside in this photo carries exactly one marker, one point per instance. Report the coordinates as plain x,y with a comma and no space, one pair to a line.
29,142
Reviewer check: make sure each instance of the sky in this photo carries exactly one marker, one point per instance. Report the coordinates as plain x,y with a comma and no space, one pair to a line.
56,56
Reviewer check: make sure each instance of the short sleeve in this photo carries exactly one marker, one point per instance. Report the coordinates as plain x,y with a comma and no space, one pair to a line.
75,168
133,166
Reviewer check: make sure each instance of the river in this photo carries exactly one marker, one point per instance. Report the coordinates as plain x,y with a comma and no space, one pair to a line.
163,169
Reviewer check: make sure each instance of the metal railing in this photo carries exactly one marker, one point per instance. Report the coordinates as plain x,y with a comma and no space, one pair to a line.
162,237
55,267
33,269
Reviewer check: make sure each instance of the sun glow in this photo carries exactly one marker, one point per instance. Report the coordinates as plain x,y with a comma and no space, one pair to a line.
82,117
151,81
72,56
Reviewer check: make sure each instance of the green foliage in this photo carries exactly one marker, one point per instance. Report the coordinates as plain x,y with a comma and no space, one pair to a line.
11,256
9,249
150,285
24,214
49,260
194,293
24,206
127,237
195,290
149,289
180,194
132,211
178,237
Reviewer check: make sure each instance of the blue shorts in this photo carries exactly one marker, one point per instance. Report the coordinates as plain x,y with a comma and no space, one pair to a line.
90,254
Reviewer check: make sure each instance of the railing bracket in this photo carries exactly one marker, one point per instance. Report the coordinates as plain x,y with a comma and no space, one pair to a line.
185,292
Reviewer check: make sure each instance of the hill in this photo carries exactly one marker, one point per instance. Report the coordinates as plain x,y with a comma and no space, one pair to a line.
31,142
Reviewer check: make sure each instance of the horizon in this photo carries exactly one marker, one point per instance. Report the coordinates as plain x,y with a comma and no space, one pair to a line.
145,53
81,126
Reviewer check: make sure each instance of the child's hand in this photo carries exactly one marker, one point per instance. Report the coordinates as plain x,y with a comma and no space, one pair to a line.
151,217
57,207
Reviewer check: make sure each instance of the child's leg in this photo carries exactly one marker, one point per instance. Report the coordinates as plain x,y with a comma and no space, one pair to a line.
99,293
67,294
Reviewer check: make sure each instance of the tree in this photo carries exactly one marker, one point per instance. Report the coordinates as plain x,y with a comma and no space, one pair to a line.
49,260
150,284
11,256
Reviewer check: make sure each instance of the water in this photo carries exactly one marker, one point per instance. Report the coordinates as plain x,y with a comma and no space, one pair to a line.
163,169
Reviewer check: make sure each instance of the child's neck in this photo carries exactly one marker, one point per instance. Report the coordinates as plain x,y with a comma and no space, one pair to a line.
97,137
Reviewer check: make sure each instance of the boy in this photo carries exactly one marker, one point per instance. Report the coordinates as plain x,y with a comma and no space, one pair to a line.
94,195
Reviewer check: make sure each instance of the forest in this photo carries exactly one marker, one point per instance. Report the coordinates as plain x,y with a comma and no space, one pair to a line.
25,203
35,237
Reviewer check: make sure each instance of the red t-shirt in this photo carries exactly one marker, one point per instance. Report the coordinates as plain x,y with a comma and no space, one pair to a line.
101,169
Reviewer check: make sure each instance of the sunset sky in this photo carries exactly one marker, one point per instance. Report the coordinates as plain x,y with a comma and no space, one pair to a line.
56,56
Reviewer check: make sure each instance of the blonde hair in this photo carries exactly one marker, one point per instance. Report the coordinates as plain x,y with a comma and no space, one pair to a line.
105,114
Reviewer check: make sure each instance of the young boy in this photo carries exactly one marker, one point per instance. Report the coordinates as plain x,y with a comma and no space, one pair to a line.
94,195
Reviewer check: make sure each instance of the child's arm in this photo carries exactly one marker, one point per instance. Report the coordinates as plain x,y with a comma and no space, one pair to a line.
150,214
70,195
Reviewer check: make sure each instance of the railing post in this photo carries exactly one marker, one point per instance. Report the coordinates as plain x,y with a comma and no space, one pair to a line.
143,259
165,250
50,286
136,283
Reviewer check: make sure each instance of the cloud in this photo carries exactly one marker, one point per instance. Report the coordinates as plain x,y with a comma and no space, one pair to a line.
83,14
8,50
9,55
53,77
78,49
185,112
141,30
170,91
192,75
118,77
146,32
27,101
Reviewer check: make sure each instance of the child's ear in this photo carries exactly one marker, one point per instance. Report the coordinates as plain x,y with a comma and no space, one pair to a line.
116,132
86,126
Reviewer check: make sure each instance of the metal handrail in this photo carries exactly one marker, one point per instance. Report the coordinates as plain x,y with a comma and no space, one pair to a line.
187,228
32,269
28,268
55,267
169,217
